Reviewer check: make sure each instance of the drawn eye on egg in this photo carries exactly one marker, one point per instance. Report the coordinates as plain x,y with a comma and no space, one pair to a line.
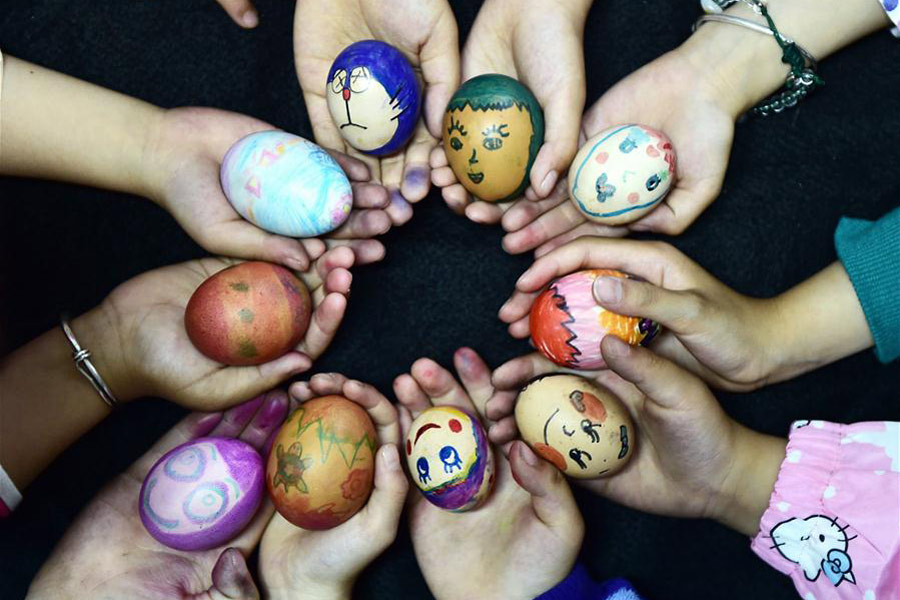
360,78
450,458
653,182
338,81
422,468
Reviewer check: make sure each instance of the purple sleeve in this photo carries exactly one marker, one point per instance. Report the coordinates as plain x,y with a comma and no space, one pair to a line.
579,586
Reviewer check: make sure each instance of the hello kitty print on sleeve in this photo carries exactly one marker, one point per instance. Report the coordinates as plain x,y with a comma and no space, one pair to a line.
833,522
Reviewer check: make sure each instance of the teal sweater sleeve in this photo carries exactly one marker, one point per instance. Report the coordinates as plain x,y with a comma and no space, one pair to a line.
870,253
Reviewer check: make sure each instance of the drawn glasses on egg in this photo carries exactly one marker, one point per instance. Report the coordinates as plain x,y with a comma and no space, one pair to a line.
360,79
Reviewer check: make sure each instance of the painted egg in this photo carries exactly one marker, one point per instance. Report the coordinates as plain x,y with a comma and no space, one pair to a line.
450,458
584,430
622,174
285,184
567,324
248,314
373,97
322,465
493,129
202,494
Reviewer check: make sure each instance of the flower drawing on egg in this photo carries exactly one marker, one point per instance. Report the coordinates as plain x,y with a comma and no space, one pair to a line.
605,190
373,97
356,485
450,458
291,465
493,129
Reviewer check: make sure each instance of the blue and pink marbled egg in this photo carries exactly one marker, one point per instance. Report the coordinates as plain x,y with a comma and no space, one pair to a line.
285,184
203,493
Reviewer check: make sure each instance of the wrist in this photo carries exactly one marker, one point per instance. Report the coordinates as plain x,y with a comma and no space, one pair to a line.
97,331
744,493
310,590
153,170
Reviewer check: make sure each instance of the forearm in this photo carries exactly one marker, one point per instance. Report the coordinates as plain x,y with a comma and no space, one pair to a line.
58,127
821,321
45,403
746,65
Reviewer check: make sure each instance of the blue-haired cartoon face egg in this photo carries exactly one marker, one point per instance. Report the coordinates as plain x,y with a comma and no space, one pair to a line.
373,97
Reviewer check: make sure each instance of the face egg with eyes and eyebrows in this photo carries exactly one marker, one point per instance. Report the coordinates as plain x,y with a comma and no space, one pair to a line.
492,131
373,97
450,458
582,429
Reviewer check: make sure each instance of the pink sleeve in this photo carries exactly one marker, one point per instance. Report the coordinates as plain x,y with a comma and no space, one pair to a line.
833,522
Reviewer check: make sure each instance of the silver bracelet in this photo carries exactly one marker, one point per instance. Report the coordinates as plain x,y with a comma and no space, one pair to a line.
811,61
82,357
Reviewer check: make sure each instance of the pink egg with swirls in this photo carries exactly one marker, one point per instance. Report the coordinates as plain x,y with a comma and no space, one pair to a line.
202,494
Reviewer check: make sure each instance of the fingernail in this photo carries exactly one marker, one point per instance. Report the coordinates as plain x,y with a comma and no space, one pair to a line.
527,455
548,183
390,457
250,19
608,289
617,347
274,410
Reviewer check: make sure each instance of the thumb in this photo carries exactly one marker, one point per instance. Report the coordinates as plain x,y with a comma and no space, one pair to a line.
386,503
231,579
677,311
660,380
241,12
560,141
551,496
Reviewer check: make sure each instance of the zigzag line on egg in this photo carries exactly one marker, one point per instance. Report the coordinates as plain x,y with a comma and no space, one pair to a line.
561,304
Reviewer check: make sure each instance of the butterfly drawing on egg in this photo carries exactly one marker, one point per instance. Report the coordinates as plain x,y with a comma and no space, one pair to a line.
605,190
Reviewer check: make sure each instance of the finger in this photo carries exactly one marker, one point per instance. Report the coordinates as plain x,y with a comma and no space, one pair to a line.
392,171
439,58
517,307
261,430
325,384
195,425
370,195
383,413
551,496
437,160
501,404
385,505
521,329
314,247
563,118
242,239
443,176
680,208
336,258
504,431
485,213
556,221
649,260
365,251
231,578
301,390
456,197
677,311
475,376
241,12
338,282
230,385
324,325
585,229
523,213
416,170
659,379
399,211
513,374
355,169
410,395
365,223
406,419
442,388
237,418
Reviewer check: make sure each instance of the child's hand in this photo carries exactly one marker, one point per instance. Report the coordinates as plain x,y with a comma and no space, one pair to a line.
690,460
425,31
297,563
138,335
504,39
241,12
524,539
182,164
732,341
107,553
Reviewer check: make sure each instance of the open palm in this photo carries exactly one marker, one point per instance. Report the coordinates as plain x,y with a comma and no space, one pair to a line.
148,315
519,543
107,553
425,32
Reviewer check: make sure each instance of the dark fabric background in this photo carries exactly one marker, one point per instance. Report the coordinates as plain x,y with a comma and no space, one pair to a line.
791,178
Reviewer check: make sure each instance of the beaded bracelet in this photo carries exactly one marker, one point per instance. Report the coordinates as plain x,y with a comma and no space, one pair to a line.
83,363
802,77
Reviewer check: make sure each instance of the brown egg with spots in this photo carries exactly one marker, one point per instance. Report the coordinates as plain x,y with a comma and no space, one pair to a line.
321,468
581,428
248,314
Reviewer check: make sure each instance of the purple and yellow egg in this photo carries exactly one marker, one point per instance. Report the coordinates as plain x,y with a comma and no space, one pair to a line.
202,494
450,458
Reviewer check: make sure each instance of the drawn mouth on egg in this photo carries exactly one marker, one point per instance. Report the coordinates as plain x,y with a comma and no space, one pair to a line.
350,122
475,178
